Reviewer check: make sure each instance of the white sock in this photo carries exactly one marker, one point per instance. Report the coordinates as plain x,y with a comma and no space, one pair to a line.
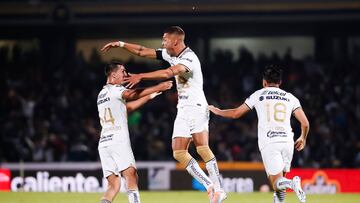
194,169
279,196
214,174
283,183
133,196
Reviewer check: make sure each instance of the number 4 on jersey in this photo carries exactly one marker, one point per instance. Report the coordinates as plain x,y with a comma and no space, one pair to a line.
108,118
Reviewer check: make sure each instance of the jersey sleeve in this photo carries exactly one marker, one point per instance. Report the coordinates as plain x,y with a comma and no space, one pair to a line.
119,91
188,61
251,101
296,104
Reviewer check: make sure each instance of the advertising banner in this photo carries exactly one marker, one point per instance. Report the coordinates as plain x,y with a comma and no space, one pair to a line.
233,181
236,177
66,181
328,181
77,177
5,179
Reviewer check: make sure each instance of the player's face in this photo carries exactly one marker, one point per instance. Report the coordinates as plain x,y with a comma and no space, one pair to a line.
169,42
119,74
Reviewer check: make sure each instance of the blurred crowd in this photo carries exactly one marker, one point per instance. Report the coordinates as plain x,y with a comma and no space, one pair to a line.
50,114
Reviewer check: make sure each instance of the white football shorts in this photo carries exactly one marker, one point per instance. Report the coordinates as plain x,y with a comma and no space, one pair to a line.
116,158
277,157
189,120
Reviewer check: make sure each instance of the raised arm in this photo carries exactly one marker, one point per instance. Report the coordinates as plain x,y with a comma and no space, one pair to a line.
134,94
133,105
132,48
305,126
162,74
230,113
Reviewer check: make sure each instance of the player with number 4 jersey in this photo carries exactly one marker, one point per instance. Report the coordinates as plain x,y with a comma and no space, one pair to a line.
116,156
274,108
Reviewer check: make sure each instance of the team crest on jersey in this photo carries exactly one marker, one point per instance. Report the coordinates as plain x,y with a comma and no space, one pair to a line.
102,95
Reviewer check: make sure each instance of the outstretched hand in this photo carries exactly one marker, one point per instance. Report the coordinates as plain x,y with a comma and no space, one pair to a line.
132,80
300,143
110,45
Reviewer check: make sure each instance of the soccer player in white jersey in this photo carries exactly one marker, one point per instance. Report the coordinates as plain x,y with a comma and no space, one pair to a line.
114,145
191,123
274,108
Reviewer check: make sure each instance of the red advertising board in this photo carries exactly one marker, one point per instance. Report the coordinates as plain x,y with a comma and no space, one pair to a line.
4,179
318,181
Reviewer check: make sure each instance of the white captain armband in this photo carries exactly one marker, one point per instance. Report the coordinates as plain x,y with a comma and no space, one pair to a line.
121,44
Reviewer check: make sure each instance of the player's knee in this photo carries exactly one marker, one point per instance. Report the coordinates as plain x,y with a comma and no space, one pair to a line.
182,156
130,172
130,176
205,153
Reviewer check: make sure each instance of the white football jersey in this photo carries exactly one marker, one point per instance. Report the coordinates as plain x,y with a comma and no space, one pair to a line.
190,84
274,108
113,116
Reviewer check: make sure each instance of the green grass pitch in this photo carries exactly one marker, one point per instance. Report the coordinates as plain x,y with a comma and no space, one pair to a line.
167,197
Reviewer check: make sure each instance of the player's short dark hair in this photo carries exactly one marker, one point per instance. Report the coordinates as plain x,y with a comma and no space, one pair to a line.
174,30
272,74
111,67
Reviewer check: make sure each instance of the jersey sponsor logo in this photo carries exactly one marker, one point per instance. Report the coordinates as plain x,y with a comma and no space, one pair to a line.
277,93
101,101
112,128
277,98
187,59
106,138
261,98
271,134
183,97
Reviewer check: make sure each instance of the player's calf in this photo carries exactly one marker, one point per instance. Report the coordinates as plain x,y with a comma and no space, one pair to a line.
211,166
184,158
